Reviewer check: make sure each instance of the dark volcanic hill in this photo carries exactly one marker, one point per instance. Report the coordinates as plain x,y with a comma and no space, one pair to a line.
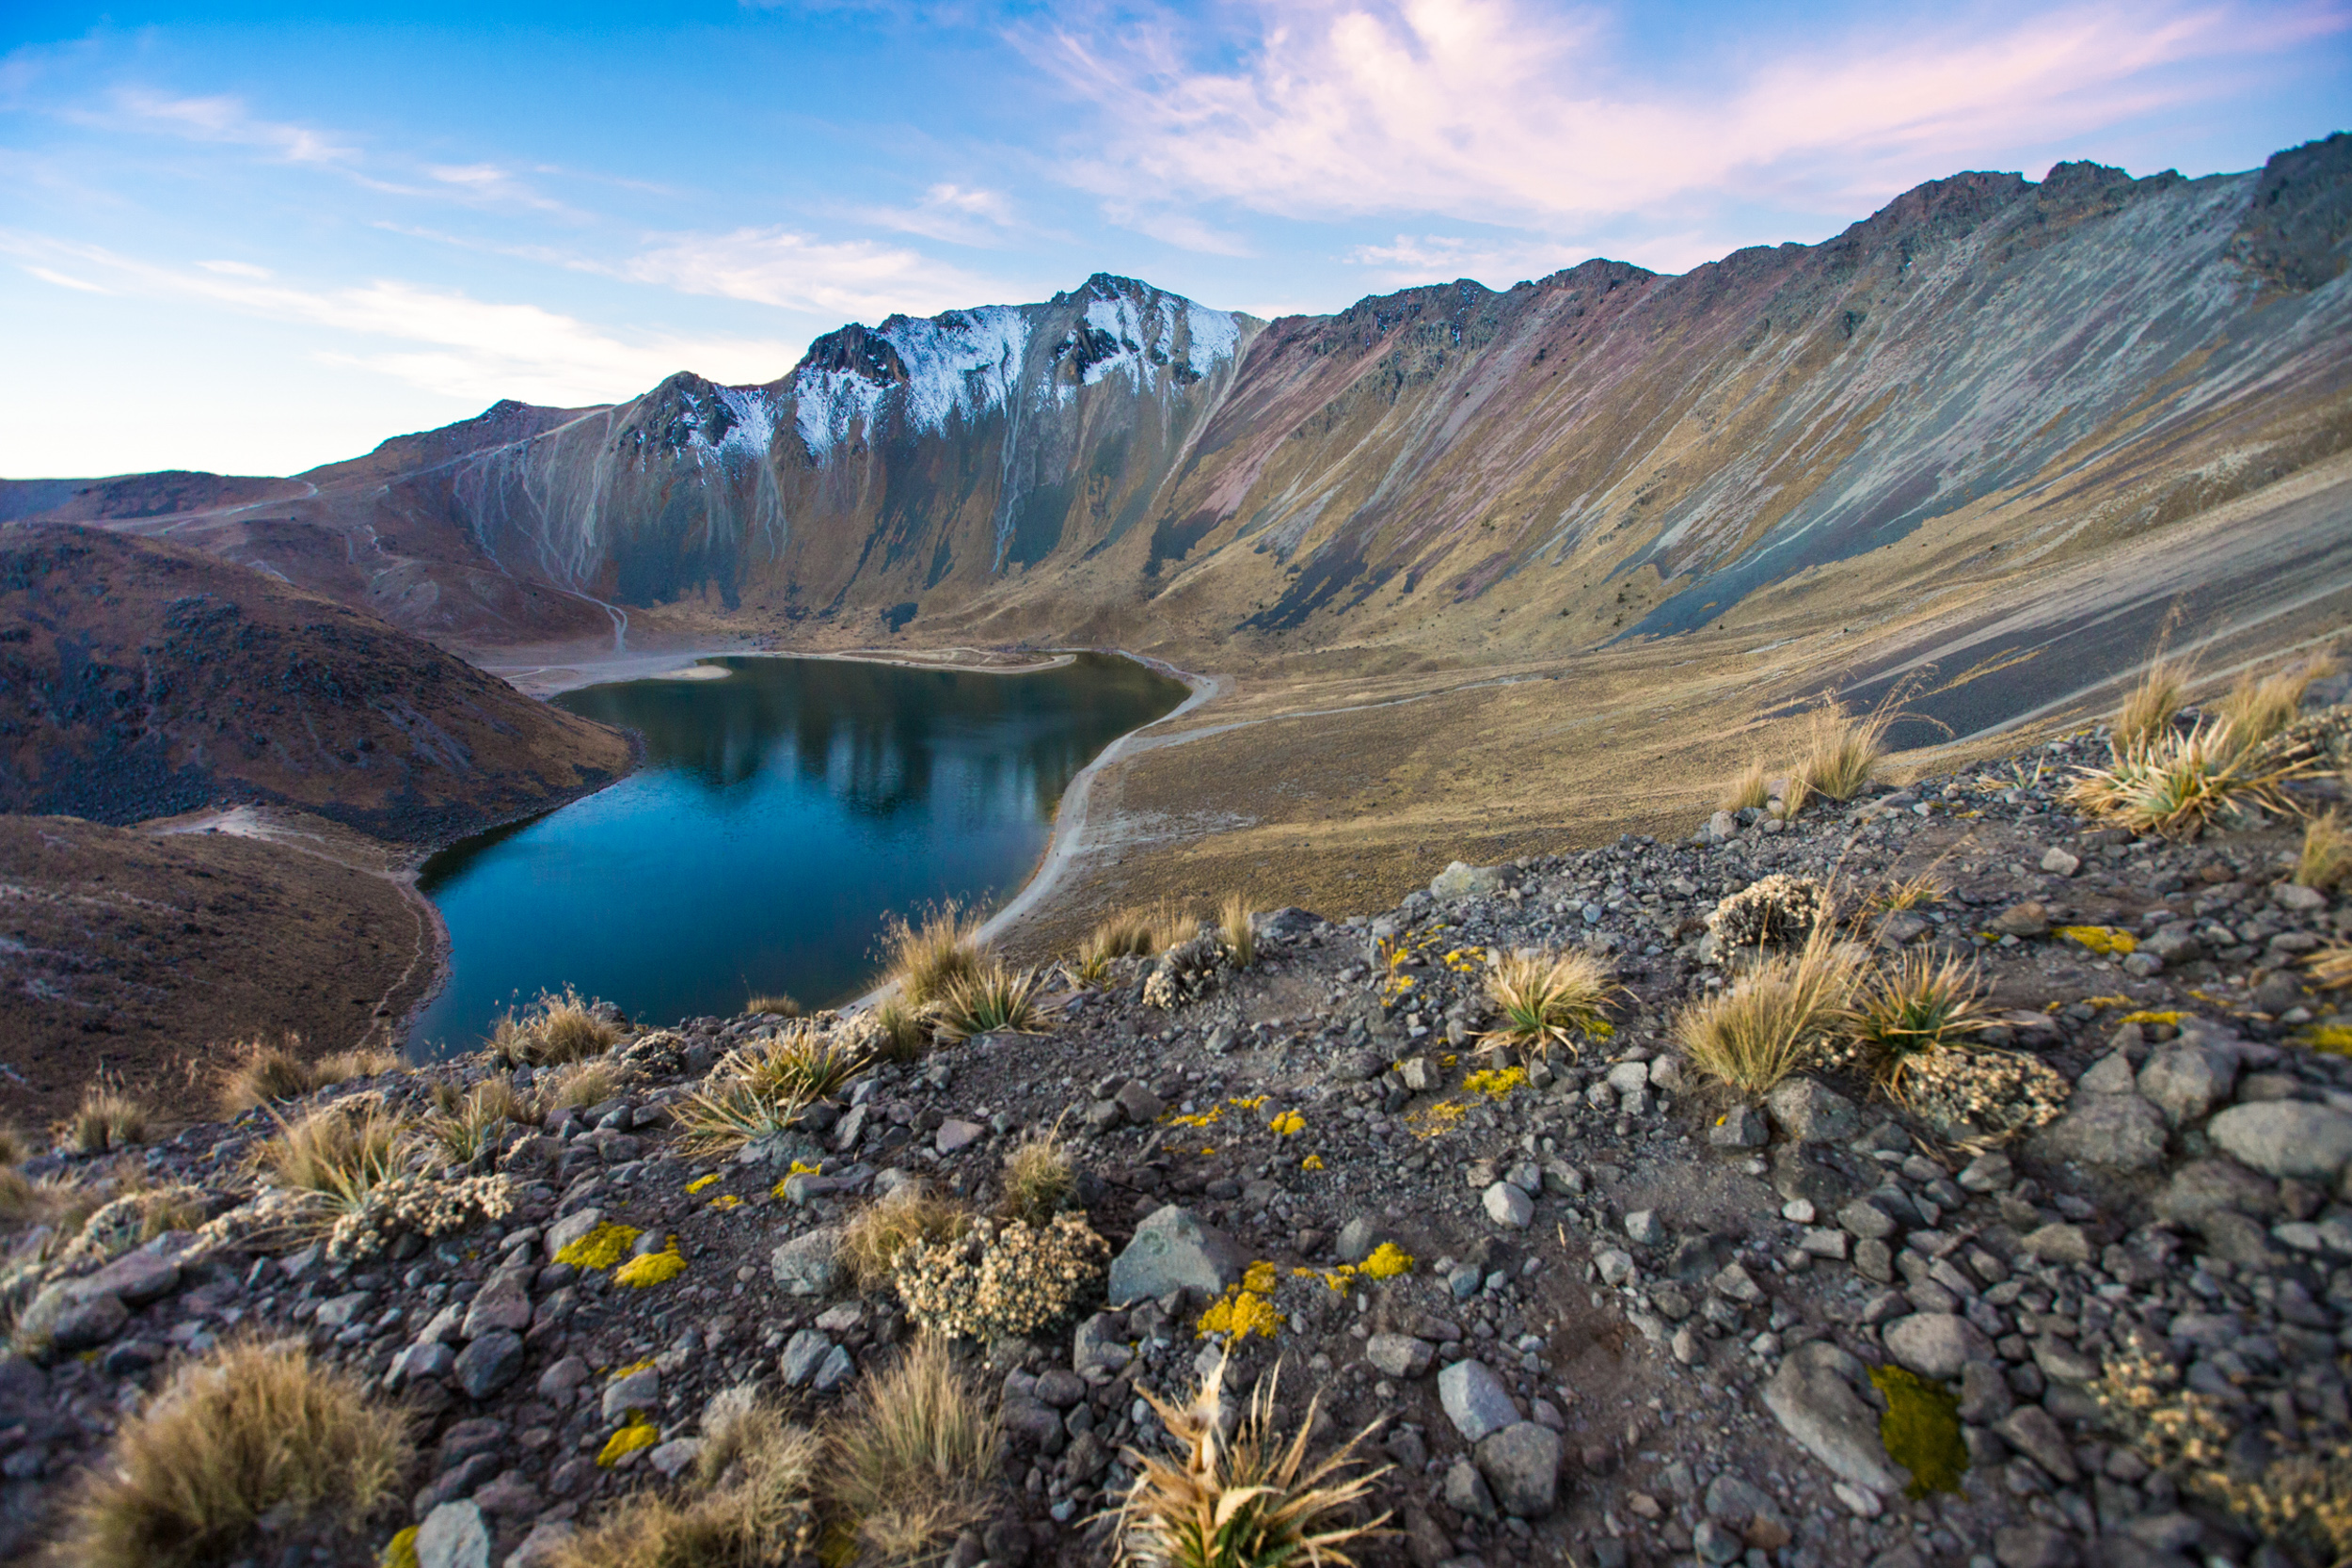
141,679
2065,365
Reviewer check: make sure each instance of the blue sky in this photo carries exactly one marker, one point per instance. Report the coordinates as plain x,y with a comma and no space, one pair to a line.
249,239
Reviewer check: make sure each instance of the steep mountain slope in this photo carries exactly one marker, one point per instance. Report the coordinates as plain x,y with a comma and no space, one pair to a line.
138,679
1450,469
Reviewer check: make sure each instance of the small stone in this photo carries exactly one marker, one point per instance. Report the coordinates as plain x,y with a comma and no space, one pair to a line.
834,1371
1741,1127
801,1352
2032,1546
675,1455
1421,1075
425,1358
136,1278
1521,1465
2034,1432
1812,1396
1866,1221
1626,1077
503,1303
1173,1250
544,1545
453,1536
2185,1081
2028,919
808,1265
1615,1266
573,1226
1644,1226
1508,1207
954,1135
2286,1138
1936,1344
87,1323
1059,1388
1475,1400
2059,1243
489,1364
1812,1113
2059,863
1142,1106
1398,1354
1734,1283
2109,1074
1100,1342
1466,1491
1358,1236
2120,1131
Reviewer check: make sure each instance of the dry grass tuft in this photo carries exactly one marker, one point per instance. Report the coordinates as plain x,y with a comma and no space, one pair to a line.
340,1152
898,1030
253,1432
756,1513
2327,853
2331,967
2151,707
1548,998
1750,788
1775,1019
1039,1178
13,1148
2257,708
1842,752
1245,1501
1911,893
994,998
1237,931
763,1088
878,1233
268,1073
61,1201
775,1003
580,1085
926,959
1129,933
463,1133
800,1064
560,1028
912,1457
108,1117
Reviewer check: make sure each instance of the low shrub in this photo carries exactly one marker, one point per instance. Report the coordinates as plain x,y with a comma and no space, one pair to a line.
1769,912
878,1233
912,1456
1548,999
1771,1021
252,1433
990,999
1249,1499
1001,1277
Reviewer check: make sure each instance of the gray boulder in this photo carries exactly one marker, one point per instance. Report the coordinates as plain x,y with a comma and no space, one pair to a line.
2187,1081
1358,1236
1475,1400
453,1535
572,1227
1398,1354
504,1302
1936,1344
136,1278
1508,1206
1807,1112
489,1364
1458,880
640,1390
2118,1131
2286,1137
1812,1396
1173,1250
1466,1491
808,1265
1522,1463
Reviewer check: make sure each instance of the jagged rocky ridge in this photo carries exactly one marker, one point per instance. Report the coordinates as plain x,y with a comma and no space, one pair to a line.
2081,359
1640,1314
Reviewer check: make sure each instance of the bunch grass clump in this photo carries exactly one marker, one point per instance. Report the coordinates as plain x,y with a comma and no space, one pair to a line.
923,960
109,1117
800,1064
1237,932
2154,702
1902,1013
465,1131
1039,1178
1772,1020
1549,998
1750,788
272,1072
766,1087
752,1505
339,1153
252,1432
1911,893
992,998
2256,708
577,1085
1841,753
895,1030
774,1003
1250,1500
878,1233
2326,856
912,1457
561,1027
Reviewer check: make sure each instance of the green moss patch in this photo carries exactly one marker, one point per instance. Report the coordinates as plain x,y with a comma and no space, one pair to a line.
1921,1430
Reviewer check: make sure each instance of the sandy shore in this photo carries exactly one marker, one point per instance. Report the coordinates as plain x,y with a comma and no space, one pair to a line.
553,678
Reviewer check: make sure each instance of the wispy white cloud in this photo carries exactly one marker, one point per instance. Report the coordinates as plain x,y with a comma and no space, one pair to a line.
839,279
443,340
1502,111
223,117
960,214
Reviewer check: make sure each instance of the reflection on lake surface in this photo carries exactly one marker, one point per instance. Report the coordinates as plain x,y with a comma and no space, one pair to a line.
780,814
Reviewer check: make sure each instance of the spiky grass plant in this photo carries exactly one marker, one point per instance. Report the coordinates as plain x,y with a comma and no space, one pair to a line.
1549,998
1902,1012
61,1200
878,1233
911,1458
728,1113
561,1027
109,1116
1237,931
926,959
1841,753
992,999
1911,893
774,1003
1772,1020
897,1031
339,1153
751,1506
801,1063
251,1433
2180,784
2327,853
1039,1178
462,1133
2258,707
1252,1500
1750,789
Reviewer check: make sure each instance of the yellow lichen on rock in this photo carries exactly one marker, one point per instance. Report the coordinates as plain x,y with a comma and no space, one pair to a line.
602,1247
1920,1427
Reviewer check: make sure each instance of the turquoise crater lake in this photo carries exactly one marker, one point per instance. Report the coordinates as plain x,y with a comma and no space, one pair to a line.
780,815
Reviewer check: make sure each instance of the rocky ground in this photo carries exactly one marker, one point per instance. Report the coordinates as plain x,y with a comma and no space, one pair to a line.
1641,1318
